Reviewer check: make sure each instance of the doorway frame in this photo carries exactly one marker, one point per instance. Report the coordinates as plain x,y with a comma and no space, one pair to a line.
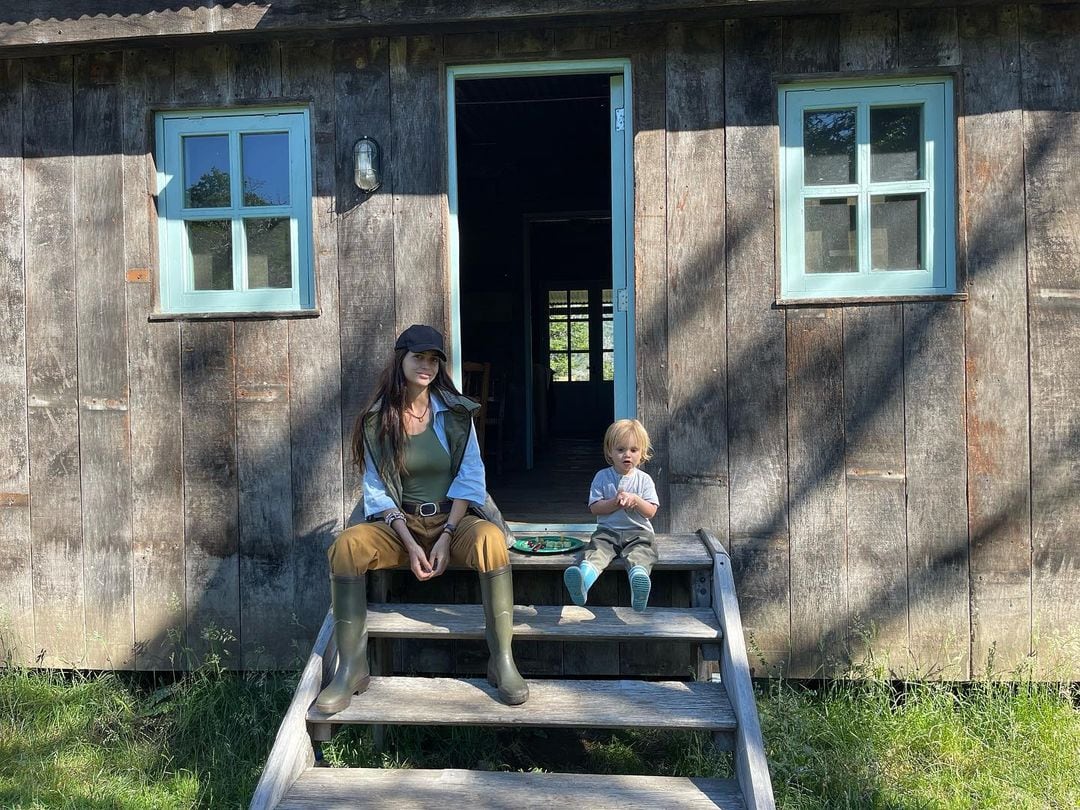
625,405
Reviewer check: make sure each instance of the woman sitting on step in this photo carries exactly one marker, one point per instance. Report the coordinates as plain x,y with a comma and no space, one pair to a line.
416,445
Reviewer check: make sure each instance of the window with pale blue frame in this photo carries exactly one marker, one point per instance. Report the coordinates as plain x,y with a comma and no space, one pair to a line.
867,189
234,209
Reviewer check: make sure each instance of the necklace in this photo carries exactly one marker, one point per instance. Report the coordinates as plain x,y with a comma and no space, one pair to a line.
419,417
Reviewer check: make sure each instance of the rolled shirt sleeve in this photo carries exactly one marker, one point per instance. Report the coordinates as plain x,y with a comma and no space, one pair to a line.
376,501
469,484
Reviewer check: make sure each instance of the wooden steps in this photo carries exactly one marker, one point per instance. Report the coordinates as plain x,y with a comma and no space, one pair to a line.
327,788
547,622
552,703
723,707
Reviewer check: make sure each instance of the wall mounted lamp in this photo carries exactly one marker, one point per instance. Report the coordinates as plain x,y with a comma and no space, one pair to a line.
367,165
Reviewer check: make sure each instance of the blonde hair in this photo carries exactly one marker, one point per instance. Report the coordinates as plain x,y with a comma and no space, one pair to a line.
624,428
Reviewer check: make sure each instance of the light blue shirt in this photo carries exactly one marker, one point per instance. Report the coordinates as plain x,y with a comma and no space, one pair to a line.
469,483
607,483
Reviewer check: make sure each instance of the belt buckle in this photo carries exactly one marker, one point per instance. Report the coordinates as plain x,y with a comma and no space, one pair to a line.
434,509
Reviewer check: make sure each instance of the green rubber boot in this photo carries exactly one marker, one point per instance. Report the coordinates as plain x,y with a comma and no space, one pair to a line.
349,595
497,589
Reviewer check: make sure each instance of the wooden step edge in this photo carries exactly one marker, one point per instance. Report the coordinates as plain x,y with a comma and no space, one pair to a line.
429,789
546,622
402,700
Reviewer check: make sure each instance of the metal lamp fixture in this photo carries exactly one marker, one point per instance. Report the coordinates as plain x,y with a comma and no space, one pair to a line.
367,164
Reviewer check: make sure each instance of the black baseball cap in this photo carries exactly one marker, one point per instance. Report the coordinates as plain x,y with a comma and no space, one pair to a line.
421,338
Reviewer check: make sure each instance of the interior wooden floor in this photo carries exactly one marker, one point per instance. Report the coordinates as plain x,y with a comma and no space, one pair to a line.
556,490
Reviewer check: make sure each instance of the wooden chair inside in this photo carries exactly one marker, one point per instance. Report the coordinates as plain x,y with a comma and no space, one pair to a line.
476,385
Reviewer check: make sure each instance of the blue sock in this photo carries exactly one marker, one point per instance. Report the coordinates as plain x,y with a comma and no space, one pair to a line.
640,585
578,579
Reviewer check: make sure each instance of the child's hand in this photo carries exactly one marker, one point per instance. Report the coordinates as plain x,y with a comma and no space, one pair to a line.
627,500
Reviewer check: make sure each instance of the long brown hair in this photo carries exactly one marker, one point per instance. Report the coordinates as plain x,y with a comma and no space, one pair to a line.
389,396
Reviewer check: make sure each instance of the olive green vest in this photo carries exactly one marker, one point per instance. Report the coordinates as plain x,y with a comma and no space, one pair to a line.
457,421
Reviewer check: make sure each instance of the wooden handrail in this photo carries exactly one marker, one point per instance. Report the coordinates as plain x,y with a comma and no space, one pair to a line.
751,767
292,753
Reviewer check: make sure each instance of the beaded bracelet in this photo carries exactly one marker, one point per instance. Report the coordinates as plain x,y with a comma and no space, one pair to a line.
390,518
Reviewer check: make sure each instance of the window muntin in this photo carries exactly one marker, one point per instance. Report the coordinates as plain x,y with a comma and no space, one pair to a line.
235,211
867,189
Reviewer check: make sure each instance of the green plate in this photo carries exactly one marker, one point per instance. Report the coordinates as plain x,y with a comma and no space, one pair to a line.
547,544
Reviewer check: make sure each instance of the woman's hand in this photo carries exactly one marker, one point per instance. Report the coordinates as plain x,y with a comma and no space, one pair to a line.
440,555
419,563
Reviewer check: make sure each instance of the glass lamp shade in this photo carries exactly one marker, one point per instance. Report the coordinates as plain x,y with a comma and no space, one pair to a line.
367,165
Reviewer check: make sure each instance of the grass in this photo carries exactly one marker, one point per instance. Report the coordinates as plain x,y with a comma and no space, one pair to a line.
135,741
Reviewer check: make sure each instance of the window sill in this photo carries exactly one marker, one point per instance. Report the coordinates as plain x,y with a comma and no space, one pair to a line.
234,316
868,299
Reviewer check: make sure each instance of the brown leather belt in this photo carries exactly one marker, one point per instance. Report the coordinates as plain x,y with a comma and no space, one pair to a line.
427,509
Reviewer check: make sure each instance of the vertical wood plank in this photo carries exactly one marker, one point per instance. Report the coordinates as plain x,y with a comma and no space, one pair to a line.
419,222
207,371
811,44
52,362
928,37
1049,41
154,404
263,447
315,359
818,541
757,393
102,352
16,584
877,576
997,347
868,40
815,430
697,314
365,234
936,462
877,610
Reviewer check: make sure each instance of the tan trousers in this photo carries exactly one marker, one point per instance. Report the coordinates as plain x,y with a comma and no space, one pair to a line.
373,545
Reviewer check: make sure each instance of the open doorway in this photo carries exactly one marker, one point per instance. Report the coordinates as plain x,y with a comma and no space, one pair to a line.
541,268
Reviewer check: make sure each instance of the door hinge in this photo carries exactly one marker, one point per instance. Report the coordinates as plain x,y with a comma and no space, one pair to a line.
622,300
620,119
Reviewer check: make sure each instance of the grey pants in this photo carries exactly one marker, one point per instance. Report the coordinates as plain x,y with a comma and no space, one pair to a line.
636,546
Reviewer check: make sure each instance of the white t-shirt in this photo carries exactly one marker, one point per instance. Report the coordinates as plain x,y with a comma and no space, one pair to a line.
607,483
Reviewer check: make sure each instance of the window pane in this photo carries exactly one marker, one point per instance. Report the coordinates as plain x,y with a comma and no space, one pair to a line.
830,236
579,304
579,336
557,303
579,367
609,366
609,335
269,253
210,243
895,143
559,368
829,146
206,171
557,336
265,156
896,232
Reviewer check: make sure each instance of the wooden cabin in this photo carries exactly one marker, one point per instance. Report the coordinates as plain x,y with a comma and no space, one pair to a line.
827,252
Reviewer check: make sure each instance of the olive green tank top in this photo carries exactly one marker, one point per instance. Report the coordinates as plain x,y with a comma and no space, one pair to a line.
427,476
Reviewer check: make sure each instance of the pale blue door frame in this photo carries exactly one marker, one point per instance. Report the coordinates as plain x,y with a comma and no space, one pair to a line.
622,217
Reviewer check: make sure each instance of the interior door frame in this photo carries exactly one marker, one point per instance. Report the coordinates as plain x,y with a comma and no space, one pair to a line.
622,217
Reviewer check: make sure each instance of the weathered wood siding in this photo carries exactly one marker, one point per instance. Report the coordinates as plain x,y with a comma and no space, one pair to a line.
902,476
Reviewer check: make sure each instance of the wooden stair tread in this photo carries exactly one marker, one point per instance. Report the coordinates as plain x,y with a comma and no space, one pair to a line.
678,552
500,790
551,703
548,622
